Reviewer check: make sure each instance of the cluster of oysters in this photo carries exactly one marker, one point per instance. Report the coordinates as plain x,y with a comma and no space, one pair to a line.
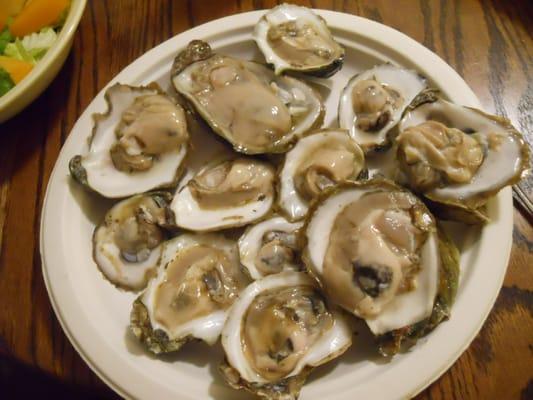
323,242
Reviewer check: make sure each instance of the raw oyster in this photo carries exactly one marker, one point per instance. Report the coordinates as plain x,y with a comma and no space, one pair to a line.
127,244
225,194
277,331
198,278
373,103
458,157
137,145
384,260
269,247
318,161
294,38
244,102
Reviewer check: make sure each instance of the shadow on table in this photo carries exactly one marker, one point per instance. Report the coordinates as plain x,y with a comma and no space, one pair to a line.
25,135
20,381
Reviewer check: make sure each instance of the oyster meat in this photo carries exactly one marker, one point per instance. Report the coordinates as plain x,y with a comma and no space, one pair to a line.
139,144
373,103
294,38
318,161
458,157
384,260
279,329
198,278
127,244
244,102
225,194
269,247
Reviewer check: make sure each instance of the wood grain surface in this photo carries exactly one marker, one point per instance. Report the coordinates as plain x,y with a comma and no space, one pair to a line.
490,45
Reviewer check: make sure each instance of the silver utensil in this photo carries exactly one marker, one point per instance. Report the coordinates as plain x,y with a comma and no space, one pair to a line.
523,195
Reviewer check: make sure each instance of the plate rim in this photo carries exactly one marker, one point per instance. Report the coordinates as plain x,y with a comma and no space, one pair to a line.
388,37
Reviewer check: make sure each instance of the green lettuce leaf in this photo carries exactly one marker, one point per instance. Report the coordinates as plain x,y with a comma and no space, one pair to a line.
5,38
6,83
32,47
17,50
37,44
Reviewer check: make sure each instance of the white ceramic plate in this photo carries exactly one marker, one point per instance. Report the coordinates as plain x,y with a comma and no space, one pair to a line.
95,315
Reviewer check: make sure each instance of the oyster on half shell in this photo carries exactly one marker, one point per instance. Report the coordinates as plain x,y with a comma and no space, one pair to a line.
279,329
198,278
458,157
127,244
373,103
384,259
319,161
225,194
270,246
137,145
294,38
244,102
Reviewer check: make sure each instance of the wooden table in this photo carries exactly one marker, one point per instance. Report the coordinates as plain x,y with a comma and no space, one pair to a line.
489,43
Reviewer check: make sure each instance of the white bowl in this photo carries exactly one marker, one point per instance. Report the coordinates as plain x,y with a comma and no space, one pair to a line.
45,70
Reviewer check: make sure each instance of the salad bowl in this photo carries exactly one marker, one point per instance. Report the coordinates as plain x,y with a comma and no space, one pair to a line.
46,69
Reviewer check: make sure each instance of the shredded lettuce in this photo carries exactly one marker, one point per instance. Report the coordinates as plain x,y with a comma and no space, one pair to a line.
17,50
5,38
38,43
6,83
32,47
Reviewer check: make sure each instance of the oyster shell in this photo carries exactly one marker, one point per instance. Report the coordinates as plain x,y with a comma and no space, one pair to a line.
391,342
269,247
137,145
278,330
244,102
318,161
458,157
294,38
373,103
225,194
198,278
127,244
383,258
